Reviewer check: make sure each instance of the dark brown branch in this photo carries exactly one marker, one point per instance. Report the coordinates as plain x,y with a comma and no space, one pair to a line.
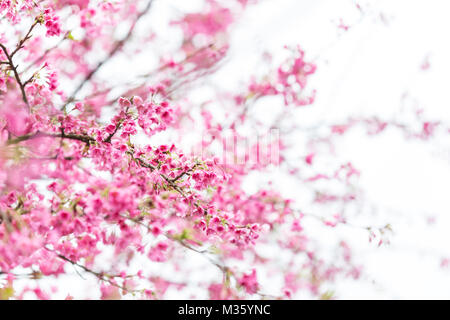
45,53
11,63
187,172
84,138
16,75
108,139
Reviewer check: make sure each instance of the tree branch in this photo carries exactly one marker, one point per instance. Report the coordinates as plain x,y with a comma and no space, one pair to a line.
84,138
119,44
100,276
16,75
11,63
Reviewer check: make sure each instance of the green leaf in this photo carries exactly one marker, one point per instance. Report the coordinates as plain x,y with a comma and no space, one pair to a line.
327,295
184,235
70,36
6,293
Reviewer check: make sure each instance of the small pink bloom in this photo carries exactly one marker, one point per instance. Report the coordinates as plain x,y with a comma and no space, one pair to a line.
110,128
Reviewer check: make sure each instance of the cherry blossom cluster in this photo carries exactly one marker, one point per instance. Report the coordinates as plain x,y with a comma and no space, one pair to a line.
289,82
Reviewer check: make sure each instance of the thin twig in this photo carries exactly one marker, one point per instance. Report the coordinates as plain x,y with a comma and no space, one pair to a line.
10,56
16,75
119,44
